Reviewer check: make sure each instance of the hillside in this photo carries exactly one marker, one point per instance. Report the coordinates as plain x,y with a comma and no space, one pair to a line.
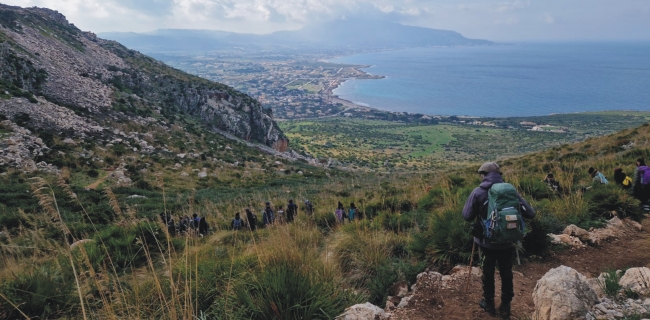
60,69
337,34
98,143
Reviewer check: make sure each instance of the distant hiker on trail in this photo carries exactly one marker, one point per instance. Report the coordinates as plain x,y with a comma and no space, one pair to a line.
280,215
292,211
268,215
237,223
252,219
641,185
622,179
184,225
497,234
194,224
339,212
309,208
553,184
597,176
352,212
204,227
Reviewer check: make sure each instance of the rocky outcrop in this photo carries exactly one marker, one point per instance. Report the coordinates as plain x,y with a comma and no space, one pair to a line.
19,147
637,280
48,56
50,117
366,311
563,294
577,237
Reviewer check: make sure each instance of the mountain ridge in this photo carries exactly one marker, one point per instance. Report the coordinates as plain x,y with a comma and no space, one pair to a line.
103,81
334,34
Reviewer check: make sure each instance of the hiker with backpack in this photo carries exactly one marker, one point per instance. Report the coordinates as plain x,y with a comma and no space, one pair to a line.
352,212
292,211
309,208
252,219
204,227
237,223
641,181
268,215
339,213
622,179
194,224
597,176
499,211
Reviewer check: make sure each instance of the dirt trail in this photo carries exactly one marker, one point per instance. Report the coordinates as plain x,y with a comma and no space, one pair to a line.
629,250
96,184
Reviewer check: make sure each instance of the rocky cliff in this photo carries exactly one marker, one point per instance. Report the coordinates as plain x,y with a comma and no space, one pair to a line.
42,54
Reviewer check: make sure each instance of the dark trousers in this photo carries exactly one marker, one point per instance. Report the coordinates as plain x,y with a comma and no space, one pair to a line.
504,259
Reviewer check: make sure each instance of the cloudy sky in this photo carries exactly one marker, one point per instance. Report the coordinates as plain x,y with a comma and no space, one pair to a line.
485,19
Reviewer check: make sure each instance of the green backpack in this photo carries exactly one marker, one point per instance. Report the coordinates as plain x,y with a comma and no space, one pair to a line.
504,223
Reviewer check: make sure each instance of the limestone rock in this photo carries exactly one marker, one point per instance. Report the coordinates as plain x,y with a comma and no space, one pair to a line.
366,311
203,175
563,294
637,280
576,231
185,174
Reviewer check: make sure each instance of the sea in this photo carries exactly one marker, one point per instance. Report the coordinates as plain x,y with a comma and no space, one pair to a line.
504,80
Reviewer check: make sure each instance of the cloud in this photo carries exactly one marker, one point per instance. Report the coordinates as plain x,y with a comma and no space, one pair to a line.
512,6
491,19
549,19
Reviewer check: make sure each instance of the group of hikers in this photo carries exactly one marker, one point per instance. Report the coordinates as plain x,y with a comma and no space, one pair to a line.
280,216
638,185
196,224
269,216
498,212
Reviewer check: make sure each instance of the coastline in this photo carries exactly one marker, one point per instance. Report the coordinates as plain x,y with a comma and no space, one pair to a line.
328,92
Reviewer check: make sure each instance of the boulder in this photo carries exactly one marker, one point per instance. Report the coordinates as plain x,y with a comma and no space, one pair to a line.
637,280
563,294
203,175
578,232
366,311
185,174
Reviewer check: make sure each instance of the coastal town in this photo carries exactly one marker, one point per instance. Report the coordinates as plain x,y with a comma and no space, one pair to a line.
292,88
301,87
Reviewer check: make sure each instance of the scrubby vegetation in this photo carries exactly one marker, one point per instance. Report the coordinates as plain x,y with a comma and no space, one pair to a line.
128,266
390,145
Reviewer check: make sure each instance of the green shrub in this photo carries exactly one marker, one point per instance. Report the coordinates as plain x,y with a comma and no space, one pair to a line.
535,188
127,245
447,242
92,173
603,199
42,291
610,283
286,291
390,273
432,200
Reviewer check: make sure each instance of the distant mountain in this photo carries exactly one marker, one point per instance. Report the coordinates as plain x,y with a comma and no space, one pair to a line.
328,35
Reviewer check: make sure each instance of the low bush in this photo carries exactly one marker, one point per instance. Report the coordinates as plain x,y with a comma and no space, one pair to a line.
448,240
610,283
42,291
287,291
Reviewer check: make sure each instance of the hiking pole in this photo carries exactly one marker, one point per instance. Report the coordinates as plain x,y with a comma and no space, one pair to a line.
517,252
469,268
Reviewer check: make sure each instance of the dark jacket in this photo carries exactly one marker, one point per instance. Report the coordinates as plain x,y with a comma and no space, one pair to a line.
477,203
252,220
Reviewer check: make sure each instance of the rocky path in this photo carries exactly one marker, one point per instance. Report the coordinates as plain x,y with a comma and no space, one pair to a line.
432,302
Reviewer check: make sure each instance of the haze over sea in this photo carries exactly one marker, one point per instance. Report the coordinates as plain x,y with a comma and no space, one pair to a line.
524,79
